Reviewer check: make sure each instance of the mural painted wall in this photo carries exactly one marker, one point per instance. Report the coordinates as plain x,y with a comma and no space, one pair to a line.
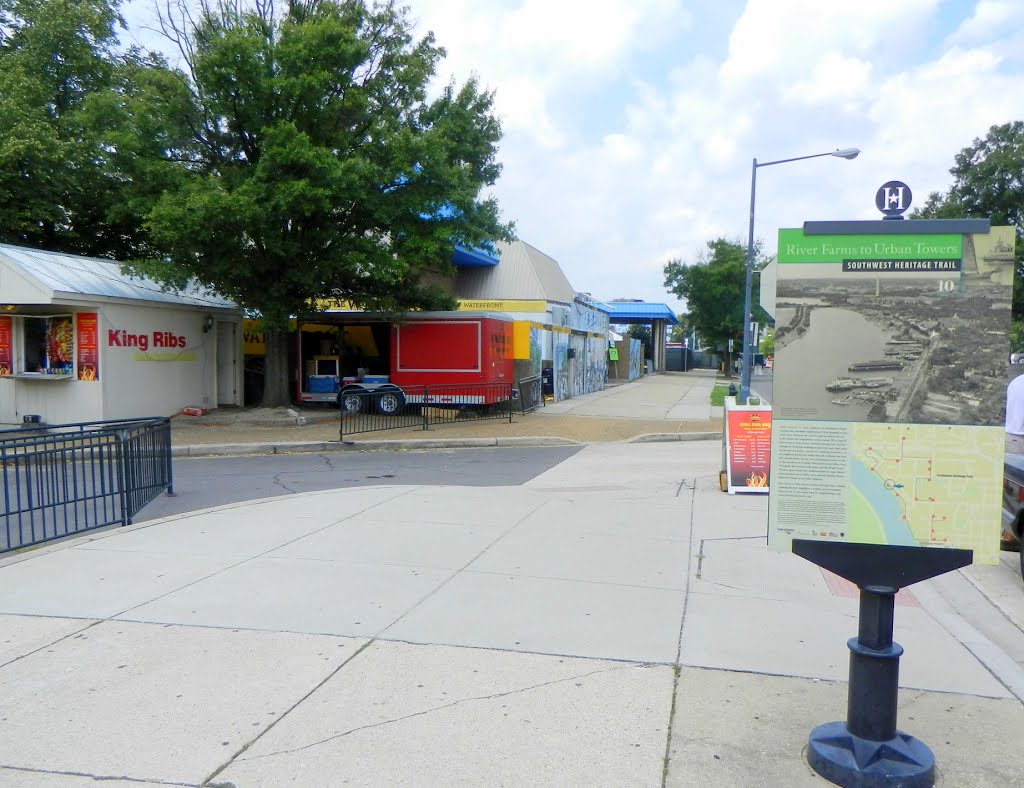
636,358
560,364
589,368
535,350
587,318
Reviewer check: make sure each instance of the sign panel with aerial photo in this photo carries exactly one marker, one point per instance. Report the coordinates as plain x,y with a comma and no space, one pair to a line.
890,386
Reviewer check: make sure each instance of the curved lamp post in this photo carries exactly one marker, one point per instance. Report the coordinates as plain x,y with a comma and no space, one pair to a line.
844,153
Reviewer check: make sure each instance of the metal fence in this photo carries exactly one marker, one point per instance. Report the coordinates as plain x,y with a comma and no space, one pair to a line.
418,407
531,393
68,478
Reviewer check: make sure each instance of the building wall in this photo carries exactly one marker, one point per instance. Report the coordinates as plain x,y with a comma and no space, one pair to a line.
56,402
160,379
636,358
588,368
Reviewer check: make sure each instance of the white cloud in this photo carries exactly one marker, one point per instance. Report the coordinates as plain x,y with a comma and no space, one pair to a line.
630,125
775,40
990,19
833,79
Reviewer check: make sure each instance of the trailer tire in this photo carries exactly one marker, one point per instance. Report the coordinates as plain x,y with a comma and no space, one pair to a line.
390,402
352,399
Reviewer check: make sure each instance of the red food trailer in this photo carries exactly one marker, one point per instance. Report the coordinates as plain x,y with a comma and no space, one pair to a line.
445,358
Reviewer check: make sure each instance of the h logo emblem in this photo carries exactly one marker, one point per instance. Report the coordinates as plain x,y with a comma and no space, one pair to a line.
893,199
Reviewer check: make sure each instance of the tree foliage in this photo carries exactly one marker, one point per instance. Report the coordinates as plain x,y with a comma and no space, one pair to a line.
713,288
681,330
988,182
319,168
81,129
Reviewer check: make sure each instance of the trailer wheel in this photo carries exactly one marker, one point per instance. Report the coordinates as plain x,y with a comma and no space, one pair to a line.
390,402
352,399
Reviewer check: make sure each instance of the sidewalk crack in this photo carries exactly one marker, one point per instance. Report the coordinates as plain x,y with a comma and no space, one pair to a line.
424,712
99,777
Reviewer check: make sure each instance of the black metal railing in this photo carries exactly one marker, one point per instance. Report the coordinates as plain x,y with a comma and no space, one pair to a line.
69,478
390,407
531,393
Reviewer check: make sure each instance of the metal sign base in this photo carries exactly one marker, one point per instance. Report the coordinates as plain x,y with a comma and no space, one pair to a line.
867,751
848,760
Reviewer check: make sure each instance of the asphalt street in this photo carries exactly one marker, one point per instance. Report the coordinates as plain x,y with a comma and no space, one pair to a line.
202,482
761,384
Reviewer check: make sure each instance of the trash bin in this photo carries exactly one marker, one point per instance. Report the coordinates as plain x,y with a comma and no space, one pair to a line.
547,381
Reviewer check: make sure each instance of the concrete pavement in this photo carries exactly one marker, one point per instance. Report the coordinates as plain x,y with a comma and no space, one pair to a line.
617,620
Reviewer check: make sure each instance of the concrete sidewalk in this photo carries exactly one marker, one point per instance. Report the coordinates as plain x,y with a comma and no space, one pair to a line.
671,406
616,621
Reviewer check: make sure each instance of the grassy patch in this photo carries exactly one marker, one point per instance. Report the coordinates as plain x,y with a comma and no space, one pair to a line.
718,395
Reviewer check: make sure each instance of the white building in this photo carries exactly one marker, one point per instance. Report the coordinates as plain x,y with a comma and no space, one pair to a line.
80,341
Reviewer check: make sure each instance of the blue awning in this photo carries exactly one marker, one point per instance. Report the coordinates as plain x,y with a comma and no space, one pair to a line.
464,257
621,312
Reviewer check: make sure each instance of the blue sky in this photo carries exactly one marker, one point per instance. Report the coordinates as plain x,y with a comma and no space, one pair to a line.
630,125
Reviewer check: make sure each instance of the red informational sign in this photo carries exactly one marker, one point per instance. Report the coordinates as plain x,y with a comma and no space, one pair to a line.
87,347
6,367
748,448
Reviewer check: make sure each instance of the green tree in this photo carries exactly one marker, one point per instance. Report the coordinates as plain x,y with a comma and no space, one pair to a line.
767,346
681,330
988,182
80,123
321,170
713,287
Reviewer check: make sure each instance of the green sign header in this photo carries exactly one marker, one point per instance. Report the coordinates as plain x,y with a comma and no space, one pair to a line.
795,247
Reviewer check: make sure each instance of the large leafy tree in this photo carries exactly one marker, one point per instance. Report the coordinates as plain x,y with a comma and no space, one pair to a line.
321,169
81,129
988,182
681,330
713,288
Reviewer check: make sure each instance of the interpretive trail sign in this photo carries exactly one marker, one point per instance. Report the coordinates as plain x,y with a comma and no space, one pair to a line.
889,389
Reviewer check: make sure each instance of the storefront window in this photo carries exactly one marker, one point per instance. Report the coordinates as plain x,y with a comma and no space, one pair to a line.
48,344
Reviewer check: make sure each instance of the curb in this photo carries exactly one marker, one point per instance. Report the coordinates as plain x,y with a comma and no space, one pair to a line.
321,447
666,437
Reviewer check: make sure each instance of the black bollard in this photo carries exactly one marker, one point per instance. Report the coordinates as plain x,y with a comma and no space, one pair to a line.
867,751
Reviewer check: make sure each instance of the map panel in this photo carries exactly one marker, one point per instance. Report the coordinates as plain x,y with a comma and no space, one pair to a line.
924,485
927,485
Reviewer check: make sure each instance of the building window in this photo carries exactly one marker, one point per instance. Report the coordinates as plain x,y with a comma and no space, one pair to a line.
48,344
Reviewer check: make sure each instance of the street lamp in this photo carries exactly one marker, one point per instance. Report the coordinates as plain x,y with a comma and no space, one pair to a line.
844,153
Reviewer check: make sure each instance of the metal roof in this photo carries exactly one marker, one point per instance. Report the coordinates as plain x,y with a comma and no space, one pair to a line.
620,312
68,273
524,273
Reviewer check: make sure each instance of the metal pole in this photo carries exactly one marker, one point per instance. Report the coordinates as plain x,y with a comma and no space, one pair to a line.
745,366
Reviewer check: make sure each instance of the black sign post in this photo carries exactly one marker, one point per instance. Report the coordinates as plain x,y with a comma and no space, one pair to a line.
867,751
